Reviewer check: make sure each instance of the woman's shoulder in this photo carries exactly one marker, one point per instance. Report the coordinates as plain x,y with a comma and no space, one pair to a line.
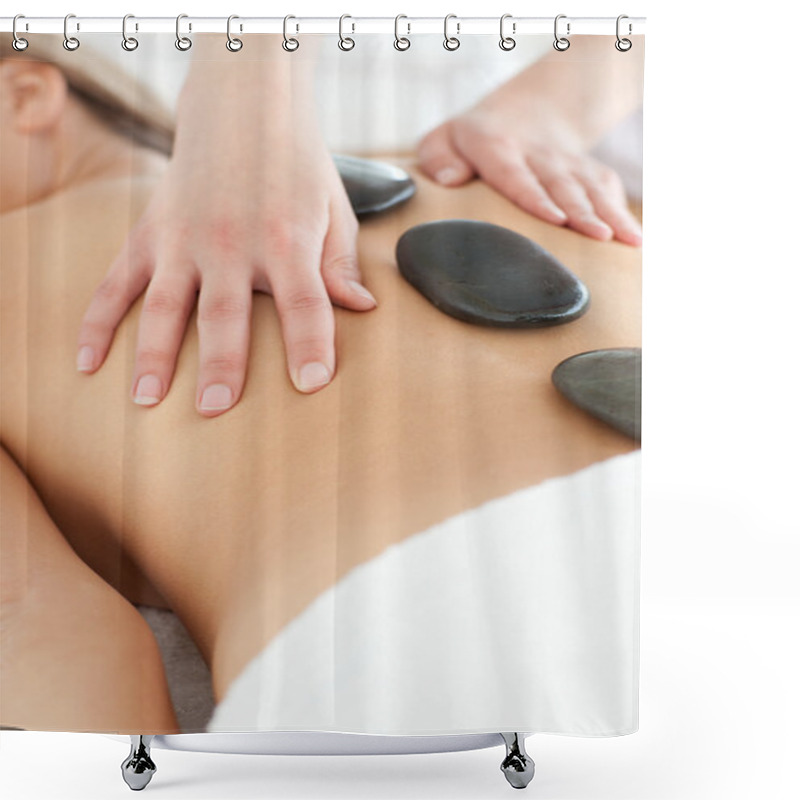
85,215
67,241
79,198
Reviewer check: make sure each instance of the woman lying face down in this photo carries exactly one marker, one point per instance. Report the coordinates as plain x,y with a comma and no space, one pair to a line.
60,127
238,522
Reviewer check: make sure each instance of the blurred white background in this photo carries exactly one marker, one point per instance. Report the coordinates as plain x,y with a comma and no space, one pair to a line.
720,600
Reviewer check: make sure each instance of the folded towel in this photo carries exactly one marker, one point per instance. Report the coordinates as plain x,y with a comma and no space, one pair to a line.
188,676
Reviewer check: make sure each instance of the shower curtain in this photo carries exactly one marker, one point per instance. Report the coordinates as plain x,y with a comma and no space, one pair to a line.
443,536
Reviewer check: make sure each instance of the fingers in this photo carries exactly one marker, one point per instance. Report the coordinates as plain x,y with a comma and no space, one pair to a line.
591,194
607,194
166,308
223,325
440,160
340,270
505,169
569,193
553,185
306,318
124,282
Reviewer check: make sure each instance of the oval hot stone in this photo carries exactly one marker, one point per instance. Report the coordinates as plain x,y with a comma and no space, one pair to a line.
484,273
607,384
373,186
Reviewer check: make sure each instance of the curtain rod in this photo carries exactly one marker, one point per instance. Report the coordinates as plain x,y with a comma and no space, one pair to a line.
462,26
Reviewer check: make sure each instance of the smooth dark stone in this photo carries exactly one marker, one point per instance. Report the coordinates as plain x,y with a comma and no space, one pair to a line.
484,273
373,186
607,384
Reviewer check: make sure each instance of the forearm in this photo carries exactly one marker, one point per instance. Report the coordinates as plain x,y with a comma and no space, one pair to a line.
261,86
585,90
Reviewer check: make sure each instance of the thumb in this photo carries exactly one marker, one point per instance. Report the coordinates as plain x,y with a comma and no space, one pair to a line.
440,160
340,270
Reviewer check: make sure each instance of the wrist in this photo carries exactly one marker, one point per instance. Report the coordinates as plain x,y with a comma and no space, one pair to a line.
260,68
225,88
536,116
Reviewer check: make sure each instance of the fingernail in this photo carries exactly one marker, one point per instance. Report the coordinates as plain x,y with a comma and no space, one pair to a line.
216,397
555,210
148,391
312,375
596,222
447,175
85,359
608,231
361,290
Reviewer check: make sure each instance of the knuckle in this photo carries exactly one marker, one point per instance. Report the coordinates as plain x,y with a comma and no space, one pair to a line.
560,181
504,165
108,288
225,234
342,263
303,300
226,362
156,356
297,237
501,141
561,184
310,345
282,236
222,308
162,302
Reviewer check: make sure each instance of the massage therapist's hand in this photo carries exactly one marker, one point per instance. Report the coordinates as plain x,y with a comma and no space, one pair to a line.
530,138
251,200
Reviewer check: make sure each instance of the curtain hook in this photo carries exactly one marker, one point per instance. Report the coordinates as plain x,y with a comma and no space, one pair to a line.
507,42
346,43
290,44
623,45
233,44
401,42
18,43
70,42
561,43
129,43
451,42
182,42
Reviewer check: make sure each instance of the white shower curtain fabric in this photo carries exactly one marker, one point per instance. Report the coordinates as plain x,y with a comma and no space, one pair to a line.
438,542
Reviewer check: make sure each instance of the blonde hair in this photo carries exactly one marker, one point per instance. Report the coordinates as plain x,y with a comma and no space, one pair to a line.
114,96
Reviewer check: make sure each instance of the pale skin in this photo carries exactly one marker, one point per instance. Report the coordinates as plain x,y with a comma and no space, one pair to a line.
217,234
234,224
530,139
238,523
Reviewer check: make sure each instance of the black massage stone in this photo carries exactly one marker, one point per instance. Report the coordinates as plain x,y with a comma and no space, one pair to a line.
607,384
489,275
373,186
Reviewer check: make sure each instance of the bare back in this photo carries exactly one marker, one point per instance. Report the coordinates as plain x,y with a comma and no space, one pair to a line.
241,520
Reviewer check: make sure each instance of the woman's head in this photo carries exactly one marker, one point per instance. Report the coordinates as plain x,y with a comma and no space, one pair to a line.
55,105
